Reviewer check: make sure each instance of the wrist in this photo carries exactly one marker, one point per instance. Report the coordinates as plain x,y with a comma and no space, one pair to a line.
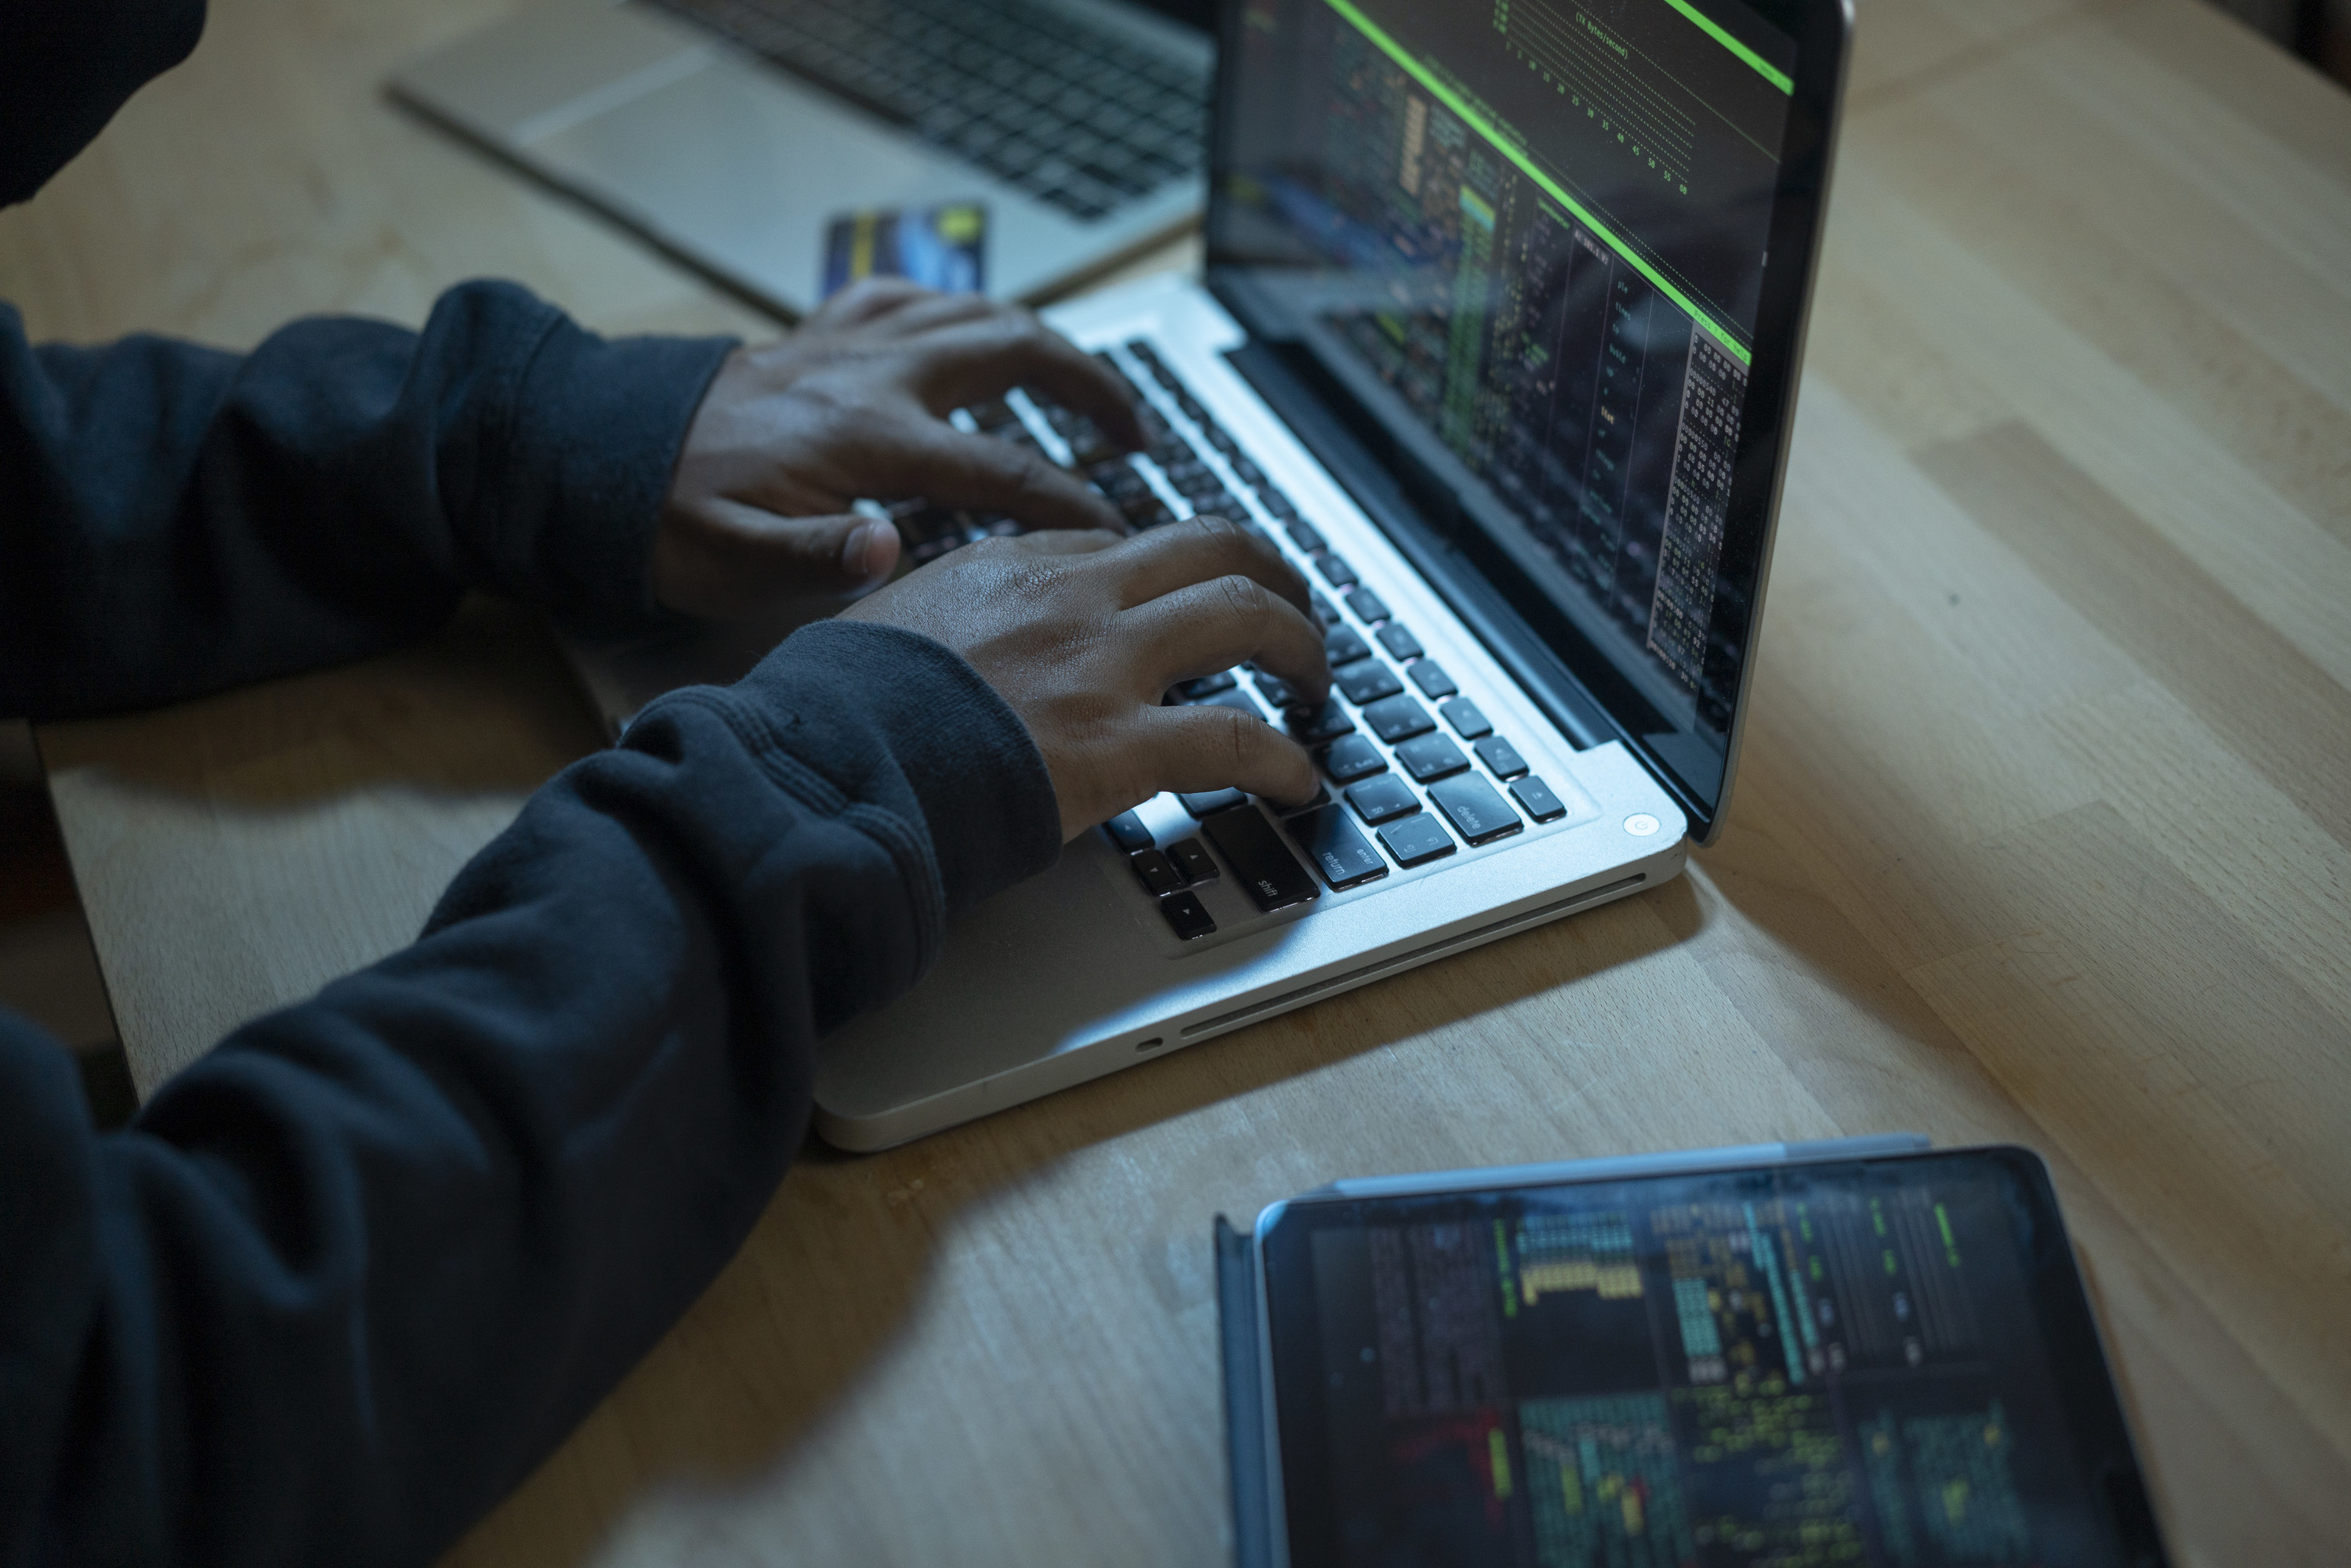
897,718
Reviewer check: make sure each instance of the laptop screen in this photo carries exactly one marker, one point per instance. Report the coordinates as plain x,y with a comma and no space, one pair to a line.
1524,242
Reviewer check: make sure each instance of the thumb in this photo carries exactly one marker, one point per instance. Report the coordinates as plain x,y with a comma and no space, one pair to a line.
728,558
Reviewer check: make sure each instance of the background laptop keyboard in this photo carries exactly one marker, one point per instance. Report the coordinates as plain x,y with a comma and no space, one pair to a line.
1413,770
1073,114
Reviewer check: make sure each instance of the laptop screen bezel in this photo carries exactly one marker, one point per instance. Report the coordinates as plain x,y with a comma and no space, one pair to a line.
1572,679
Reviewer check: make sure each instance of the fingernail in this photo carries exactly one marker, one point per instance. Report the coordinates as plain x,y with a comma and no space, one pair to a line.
863,548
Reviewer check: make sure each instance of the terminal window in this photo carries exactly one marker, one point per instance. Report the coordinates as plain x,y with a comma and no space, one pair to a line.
1535,229
1712,1372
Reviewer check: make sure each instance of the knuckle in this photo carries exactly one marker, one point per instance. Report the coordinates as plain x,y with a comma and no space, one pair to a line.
1233,538
1242,596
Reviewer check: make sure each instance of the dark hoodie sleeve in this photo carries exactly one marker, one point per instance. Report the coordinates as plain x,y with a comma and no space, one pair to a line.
345,1281
174,519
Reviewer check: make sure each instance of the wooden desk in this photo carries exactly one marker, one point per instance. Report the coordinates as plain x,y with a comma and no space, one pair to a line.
2044,833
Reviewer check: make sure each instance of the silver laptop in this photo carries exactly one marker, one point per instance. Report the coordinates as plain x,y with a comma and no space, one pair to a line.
1499,340
734,133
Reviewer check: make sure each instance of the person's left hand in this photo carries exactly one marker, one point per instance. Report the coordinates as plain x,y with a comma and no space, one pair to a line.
852,404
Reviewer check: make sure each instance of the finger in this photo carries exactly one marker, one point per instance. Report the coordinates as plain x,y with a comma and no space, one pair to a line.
1191,749
869,299
746,557
981,359
951,468
1194,550
1205,627
936,312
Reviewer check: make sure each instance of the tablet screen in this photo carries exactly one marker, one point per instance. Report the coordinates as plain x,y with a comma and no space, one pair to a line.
1882,1363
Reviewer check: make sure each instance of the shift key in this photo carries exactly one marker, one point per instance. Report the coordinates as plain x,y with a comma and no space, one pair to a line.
1255,852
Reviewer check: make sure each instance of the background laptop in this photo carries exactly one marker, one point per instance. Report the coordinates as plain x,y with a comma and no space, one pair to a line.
1499,340
734,133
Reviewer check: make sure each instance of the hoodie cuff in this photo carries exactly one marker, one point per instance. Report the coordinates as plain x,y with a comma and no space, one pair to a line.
899,720
596,429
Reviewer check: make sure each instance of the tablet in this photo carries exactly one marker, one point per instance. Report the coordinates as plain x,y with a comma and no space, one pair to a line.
1766,1356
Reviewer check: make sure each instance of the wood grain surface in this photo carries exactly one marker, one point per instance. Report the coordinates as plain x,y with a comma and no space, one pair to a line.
2042,833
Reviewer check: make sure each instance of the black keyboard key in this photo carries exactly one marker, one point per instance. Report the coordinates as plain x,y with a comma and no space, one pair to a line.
1088,445
1301,533
1343,856
1476,813
1145,511
1430,757
1118,482
1151,868
1397,718
1324,613
1321,797
1127,831
1207,802
993,415
1344,647
1327,722
1416,840
1401,644
1346,759
1188,916
1208,685
1367,681
1369,607
1335,571
1191,860
1501,757
1468,722
1237,700
1433,683
1276,690
1383,800
1535,798
1189,475
1281,507
1250,846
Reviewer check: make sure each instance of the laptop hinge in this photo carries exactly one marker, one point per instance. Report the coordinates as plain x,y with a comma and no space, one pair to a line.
1384,496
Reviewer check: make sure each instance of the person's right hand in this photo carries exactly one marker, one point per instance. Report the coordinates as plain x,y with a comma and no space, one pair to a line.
1083,634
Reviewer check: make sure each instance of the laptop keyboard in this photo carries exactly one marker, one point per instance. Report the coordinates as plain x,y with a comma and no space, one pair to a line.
1412,771
1073,114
